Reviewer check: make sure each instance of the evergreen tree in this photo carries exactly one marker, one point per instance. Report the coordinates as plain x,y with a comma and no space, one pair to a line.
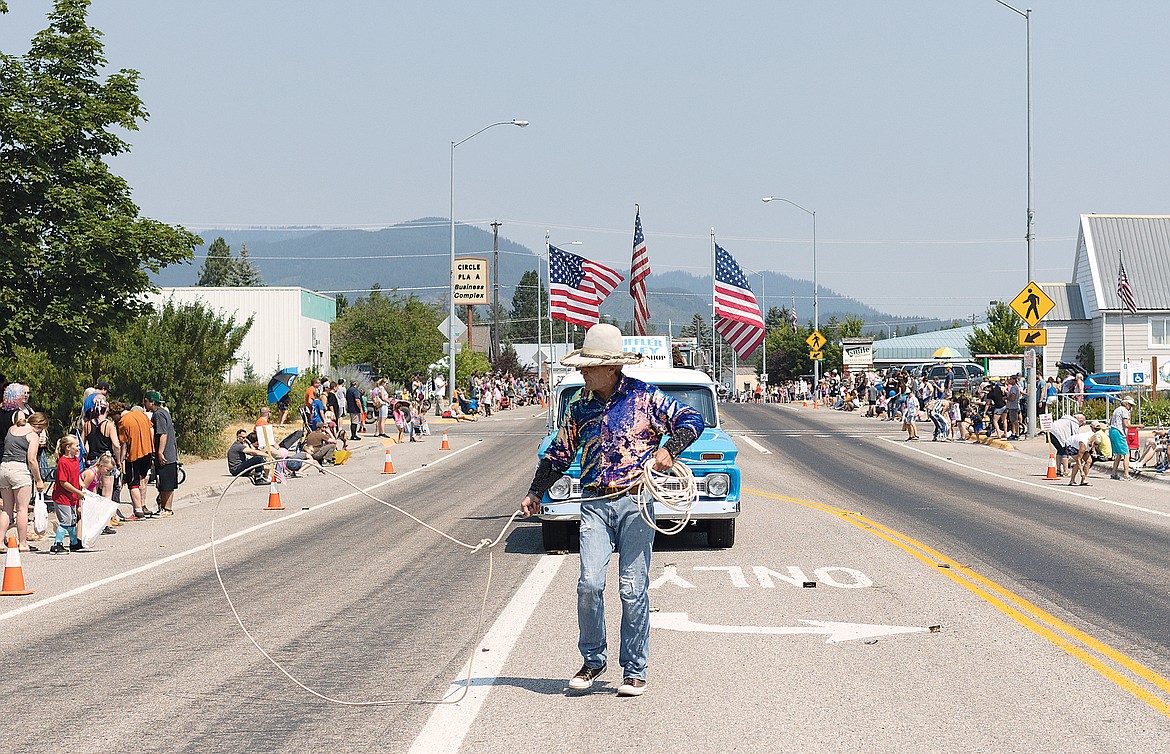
218,265
523,327
244,273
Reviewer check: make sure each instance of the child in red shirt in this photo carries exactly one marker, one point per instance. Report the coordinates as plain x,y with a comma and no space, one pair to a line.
67,495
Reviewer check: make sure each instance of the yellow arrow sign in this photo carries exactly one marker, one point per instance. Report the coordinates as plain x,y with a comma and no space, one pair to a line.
1032,304
816,355
1033,337
816,341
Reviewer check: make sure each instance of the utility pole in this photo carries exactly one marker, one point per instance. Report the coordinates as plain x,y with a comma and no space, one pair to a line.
495,291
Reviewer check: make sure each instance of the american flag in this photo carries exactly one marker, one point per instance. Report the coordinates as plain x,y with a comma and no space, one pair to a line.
1124,292
278,472
739,320
639,271
792,314
577,287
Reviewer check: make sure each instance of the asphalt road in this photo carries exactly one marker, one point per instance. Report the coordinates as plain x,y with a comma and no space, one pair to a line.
1104,571
361,603
357,601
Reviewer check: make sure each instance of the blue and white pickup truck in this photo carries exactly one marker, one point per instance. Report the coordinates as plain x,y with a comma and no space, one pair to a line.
711,459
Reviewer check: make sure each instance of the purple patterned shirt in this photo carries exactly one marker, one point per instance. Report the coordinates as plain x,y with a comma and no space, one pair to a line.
617,436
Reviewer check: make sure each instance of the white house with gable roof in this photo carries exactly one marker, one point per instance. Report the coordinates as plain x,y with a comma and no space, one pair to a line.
1088,309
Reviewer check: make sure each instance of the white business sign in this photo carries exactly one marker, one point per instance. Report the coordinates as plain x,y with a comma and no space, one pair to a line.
471,280
859,357
655,348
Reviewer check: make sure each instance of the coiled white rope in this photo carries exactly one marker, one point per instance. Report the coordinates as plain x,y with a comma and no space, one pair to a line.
655,488
483,544
675,488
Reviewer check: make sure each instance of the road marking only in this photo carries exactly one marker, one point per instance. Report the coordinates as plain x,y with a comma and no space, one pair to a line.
756,445
836,631
1078,644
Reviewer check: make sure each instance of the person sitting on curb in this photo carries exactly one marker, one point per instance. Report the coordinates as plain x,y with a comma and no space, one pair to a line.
244,455
456,411
319,445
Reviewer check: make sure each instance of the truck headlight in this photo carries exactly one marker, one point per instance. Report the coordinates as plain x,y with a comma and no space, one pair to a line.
561,488
718,485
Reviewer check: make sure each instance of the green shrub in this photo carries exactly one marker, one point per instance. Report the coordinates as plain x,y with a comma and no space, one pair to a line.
243,400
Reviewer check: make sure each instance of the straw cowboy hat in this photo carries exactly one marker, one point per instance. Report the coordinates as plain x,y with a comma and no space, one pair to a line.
602,347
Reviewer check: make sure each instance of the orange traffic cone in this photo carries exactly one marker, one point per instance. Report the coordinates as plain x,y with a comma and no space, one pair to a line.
806,402
274,503
446,445
1051,465
388,464
13,574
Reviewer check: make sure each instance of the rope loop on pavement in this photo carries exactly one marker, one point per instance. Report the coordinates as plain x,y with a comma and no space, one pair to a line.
484,544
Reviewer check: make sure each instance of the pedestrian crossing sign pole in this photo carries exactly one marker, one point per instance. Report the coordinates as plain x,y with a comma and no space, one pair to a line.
1032,304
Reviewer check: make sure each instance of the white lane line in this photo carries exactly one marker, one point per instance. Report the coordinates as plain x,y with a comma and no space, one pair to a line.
1056,487
449,723
756,445
207,546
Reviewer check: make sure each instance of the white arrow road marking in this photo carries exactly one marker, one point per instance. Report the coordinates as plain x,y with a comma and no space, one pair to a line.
837,632
755,445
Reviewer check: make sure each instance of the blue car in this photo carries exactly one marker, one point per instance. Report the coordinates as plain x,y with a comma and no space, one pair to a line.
1097,384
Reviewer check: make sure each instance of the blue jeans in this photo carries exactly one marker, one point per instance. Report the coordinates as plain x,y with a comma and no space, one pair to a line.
606,526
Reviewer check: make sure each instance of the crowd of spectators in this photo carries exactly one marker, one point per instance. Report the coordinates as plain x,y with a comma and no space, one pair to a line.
992,409
111,446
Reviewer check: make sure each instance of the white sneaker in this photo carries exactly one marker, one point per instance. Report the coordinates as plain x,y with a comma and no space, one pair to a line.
585,677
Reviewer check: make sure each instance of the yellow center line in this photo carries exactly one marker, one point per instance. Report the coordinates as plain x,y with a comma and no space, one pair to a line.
1024,612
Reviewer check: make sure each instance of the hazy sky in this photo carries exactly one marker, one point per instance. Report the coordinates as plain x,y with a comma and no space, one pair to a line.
902,124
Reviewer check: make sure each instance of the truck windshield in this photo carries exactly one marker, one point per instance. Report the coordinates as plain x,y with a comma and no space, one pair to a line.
696,396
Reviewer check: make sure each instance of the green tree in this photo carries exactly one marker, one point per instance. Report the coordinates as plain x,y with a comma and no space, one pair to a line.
217,265
507,362
1001,333
74,252
341,301
244,273
700,329
398,336
529,291
184,352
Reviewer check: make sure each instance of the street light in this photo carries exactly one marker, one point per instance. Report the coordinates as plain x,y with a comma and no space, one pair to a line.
816,290
451,312
1029,371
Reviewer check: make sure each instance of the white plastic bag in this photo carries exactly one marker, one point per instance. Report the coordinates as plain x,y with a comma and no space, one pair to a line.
40,513
96,512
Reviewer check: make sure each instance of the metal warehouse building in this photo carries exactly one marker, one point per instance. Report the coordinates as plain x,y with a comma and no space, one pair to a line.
290,326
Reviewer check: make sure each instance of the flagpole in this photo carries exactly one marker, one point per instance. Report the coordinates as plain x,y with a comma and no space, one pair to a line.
1121,266
540,315
714,342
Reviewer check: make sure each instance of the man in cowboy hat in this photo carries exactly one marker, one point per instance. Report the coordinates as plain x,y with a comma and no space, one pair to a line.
617,422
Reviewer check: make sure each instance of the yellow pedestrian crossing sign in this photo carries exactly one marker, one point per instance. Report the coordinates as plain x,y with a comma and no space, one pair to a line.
816,355
1032,304
816,341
